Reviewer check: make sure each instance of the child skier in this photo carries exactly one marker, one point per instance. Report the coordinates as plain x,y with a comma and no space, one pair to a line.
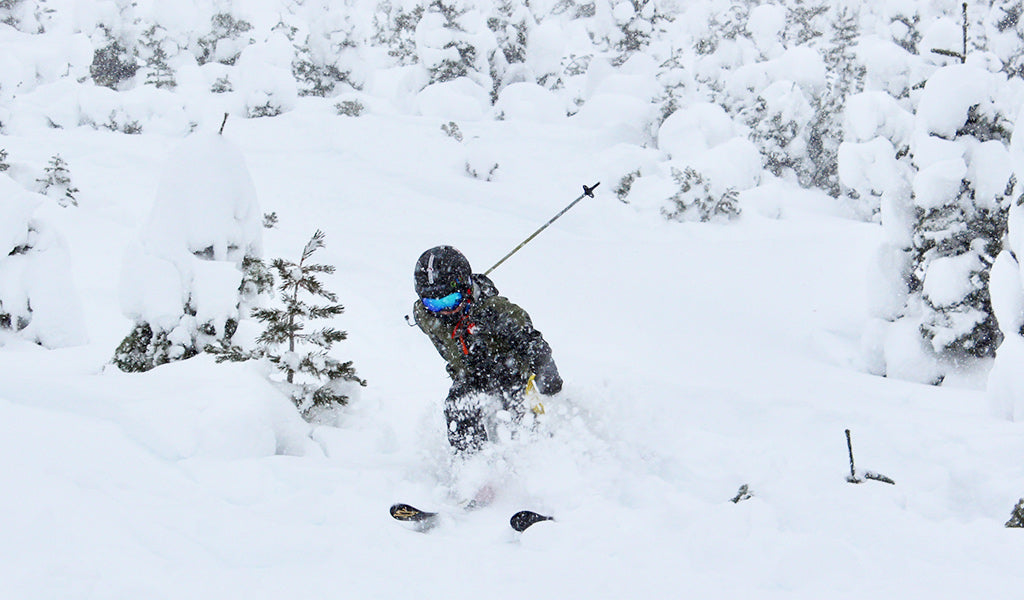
489,343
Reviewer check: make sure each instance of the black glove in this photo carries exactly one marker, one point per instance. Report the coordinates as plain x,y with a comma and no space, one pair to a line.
548,381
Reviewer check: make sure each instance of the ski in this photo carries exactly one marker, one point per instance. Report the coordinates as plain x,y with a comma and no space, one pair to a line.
523,519
425,520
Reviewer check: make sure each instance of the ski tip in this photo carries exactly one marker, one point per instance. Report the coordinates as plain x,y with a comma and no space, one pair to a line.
525,518
406,512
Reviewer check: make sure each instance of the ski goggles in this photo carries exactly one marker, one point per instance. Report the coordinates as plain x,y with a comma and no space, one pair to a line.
446,303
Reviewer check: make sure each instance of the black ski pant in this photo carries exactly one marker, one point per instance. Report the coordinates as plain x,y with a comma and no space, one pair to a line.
469,407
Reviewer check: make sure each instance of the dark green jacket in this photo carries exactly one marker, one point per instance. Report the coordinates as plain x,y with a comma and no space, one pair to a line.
491,344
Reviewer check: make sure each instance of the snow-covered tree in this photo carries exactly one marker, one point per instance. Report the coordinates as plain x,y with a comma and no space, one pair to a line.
779,125
905,30
961,192
805,20
56,182
1017,515
453,41
263,75
187,282
1004,27
227,37
511,23
675,82
155,43
37,297
328,54
843,77
874,162
29,17
112,62
395,29
314,379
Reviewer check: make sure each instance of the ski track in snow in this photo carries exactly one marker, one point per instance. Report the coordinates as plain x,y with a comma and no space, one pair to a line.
697,358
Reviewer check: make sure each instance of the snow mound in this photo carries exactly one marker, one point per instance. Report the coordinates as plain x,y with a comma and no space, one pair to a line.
694,129
457,100
530,102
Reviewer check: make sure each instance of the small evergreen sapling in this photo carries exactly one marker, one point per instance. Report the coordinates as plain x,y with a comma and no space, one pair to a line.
1017,517
159,72
312,377
57,182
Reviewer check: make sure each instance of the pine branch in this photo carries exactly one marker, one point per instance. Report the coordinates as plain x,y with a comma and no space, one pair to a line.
318,268
314,244
326,312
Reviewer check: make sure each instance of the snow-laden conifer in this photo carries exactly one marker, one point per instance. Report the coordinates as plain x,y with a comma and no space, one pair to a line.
453,41
295,344
961,192
327,46
188,281
56,182
155,43
227,36
843,78
394,30
114,60
38,300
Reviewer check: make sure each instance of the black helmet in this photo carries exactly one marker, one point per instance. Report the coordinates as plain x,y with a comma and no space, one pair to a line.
441,271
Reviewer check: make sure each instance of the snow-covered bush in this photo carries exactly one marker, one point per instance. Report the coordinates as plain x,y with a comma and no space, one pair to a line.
37,297
327,47
395,26
112,62
264,77
779,122
453,41
696,199
227,37
186,282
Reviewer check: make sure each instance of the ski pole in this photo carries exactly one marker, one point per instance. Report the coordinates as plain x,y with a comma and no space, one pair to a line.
587,192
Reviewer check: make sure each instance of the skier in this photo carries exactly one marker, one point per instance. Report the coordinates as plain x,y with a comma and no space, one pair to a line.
490,346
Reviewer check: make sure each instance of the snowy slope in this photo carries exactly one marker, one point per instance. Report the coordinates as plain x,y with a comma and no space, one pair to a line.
696,357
